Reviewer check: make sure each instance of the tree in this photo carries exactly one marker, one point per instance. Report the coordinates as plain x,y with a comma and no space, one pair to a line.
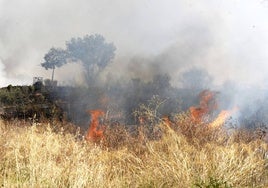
56,57
94,53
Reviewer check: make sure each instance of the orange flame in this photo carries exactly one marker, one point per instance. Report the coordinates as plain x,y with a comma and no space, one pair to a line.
222,117
197,113
206,105
95,133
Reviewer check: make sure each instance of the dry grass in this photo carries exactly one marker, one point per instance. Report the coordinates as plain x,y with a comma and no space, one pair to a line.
37,156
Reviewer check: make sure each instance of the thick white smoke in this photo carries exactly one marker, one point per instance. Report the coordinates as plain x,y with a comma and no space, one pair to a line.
227,38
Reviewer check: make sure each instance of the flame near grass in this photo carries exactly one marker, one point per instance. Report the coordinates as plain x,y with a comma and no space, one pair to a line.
222,117
95,132
206,106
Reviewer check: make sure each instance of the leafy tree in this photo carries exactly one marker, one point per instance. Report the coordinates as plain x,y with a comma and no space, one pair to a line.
56,57
94,53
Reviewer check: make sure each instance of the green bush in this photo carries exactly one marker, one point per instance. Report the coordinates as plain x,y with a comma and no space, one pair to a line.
213,183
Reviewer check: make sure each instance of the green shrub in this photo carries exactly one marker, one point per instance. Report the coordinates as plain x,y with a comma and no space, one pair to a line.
213,183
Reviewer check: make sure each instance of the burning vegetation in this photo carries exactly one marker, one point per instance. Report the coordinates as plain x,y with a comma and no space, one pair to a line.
150,144
95,132
156,133
207,106
175,151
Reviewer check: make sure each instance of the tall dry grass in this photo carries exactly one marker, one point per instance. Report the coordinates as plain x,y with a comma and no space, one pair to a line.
34,155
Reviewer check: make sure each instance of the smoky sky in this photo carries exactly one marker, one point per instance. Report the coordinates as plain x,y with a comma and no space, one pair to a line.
227,38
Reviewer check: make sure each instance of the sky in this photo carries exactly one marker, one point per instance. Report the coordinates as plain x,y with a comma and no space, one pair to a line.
228,38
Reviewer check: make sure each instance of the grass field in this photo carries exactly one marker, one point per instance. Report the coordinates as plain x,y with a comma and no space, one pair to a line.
45,155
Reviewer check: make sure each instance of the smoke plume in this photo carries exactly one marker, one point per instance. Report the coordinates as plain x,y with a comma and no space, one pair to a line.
226,40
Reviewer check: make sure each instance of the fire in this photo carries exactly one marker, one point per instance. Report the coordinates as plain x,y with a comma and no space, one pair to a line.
222,117
197,113
206,105
95,133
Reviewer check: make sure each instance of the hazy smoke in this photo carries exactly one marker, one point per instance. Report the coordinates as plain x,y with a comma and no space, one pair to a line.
226,39
2,73
229,39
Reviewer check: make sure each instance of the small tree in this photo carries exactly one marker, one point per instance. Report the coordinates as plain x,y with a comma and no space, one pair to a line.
94,53
56,57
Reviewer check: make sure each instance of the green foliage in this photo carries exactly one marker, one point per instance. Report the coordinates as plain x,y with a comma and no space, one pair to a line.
26,102
12,95
213,183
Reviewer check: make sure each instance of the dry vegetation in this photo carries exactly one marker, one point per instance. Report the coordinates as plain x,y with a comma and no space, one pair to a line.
186,155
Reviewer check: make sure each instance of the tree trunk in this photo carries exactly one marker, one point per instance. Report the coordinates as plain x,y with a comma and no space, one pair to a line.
52,78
